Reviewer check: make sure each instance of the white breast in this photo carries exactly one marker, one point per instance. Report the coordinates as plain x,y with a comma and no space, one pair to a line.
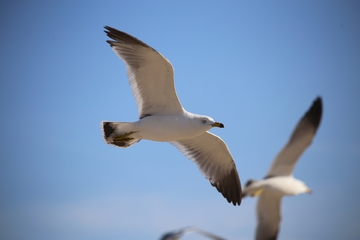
166,128
284,185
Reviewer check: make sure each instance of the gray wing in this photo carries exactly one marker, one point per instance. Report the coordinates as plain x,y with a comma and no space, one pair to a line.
215,162
151,76
176,235
268,216
207,234
300,139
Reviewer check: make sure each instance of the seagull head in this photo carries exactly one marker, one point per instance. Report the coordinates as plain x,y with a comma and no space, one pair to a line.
300,187
208,121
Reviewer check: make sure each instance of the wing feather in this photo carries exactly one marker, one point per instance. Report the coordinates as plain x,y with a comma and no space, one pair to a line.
300,139
268,216
151,75
215,162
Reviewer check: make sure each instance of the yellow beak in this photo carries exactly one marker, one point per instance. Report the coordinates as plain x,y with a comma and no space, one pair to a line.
217,124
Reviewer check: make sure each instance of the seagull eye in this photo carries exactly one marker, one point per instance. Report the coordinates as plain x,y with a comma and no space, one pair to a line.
204,121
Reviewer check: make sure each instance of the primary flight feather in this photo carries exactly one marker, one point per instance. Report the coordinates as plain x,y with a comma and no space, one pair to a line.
163,119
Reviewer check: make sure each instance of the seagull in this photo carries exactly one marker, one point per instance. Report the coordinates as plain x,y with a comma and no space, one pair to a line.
176,235
279,180
163,119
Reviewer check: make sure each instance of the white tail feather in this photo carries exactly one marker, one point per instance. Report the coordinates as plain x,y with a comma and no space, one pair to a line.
112,129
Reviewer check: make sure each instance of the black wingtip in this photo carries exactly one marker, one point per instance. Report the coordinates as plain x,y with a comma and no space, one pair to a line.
122,37
111,33
315,112
230,188
107,28
108,129
110,30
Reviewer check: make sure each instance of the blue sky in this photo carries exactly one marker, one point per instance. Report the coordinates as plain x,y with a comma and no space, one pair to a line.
255,66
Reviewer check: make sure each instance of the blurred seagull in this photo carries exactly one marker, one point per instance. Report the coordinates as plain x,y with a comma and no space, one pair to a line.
279,180
176,235
163,119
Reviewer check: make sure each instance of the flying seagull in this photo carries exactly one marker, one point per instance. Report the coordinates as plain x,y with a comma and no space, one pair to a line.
279,180
176,235
163,119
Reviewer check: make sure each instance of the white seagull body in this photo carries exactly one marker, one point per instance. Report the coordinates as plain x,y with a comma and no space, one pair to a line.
163,119
279,180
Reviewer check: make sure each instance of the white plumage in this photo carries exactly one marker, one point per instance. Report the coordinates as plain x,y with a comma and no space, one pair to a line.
279,180
163,119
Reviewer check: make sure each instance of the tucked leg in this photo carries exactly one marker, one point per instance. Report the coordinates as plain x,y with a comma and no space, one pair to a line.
123,138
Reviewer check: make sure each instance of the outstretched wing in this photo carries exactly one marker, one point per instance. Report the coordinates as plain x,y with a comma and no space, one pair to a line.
300,139
176,235
268,216
150,74
215,162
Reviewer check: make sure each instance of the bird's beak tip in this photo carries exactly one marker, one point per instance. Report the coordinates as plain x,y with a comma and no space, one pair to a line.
219,125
